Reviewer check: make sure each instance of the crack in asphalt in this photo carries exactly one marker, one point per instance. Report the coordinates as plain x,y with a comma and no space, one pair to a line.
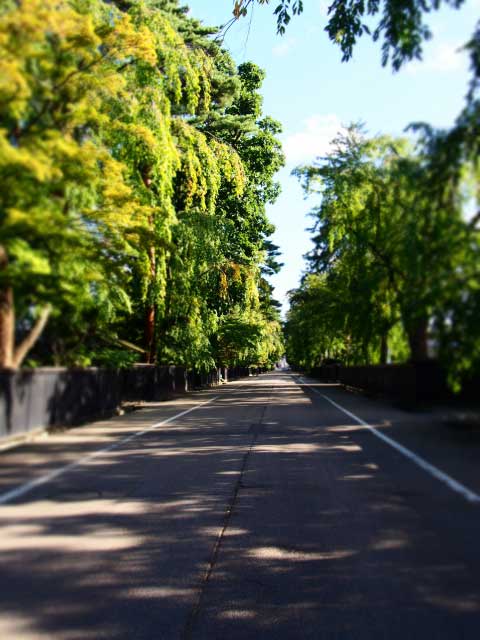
195,611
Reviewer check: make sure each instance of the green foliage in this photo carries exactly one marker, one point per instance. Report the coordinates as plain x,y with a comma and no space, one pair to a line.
283,11
393,257
114,358
135,169
220,259
399,24
246,339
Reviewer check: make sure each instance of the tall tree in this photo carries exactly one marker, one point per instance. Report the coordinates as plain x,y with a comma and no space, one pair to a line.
61,208
217,267
112,179
389,249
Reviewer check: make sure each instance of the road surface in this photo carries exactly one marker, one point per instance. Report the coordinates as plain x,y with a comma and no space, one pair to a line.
270,508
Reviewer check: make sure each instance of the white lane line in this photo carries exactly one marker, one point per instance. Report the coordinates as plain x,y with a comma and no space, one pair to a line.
22,489
437,473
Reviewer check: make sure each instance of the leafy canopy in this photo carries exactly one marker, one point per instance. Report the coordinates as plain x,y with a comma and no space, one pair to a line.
400,25
393,257
133,204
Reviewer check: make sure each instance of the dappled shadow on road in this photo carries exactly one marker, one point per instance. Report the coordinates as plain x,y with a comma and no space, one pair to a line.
320,542
67,447
117,547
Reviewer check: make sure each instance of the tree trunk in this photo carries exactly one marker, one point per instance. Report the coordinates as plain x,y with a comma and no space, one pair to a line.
7,317
366,353
384,348
417,339
150,319
24,347
162,328
150,333
7,327
9,356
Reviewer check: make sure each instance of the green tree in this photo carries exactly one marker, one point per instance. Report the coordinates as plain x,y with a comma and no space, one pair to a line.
389,251
221,259
129,214
62,215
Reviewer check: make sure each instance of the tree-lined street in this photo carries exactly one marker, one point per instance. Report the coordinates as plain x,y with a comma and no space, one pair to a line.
257,510
153,159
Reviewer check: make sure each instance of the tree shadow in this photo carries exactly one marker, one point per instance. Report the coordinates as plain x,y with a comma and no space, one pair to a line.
321,542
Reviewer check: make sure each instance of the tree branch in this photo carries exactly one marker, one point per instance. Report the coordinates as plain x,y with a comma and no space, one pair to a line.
472,224
25,346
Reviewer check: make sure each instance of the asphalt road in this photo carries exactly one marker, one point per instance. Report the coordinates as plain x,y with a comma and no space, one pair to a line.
258,510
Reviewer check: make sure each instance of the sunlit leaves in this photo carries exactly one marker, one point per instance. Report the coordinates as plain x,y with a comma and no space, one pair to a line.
392,254
113,207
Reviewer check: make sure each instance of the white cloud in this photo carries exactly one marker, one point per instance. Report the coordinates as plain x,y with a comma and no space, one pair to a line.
286,45
442,57
313,140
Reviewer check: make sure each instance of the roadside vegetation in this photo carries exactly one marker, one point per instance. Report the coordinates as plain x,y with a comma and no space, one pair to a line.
136,165
394,273
394,270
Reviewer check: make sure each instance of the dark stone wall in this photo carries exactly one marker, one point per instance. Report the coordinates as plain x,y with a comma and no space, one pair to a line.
32,399
409,384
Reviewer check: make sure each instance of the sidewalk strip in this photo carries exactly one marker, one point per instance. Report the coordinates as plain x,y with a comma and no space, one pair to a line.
437,473
23,489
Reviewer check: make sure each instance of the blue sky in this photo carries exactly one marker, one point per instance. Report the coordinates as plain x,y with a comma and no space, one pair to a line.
313,94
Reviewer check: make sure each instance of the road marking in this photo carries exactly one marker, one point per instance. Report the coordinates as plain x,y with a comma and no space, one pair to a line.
437,473
23,489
